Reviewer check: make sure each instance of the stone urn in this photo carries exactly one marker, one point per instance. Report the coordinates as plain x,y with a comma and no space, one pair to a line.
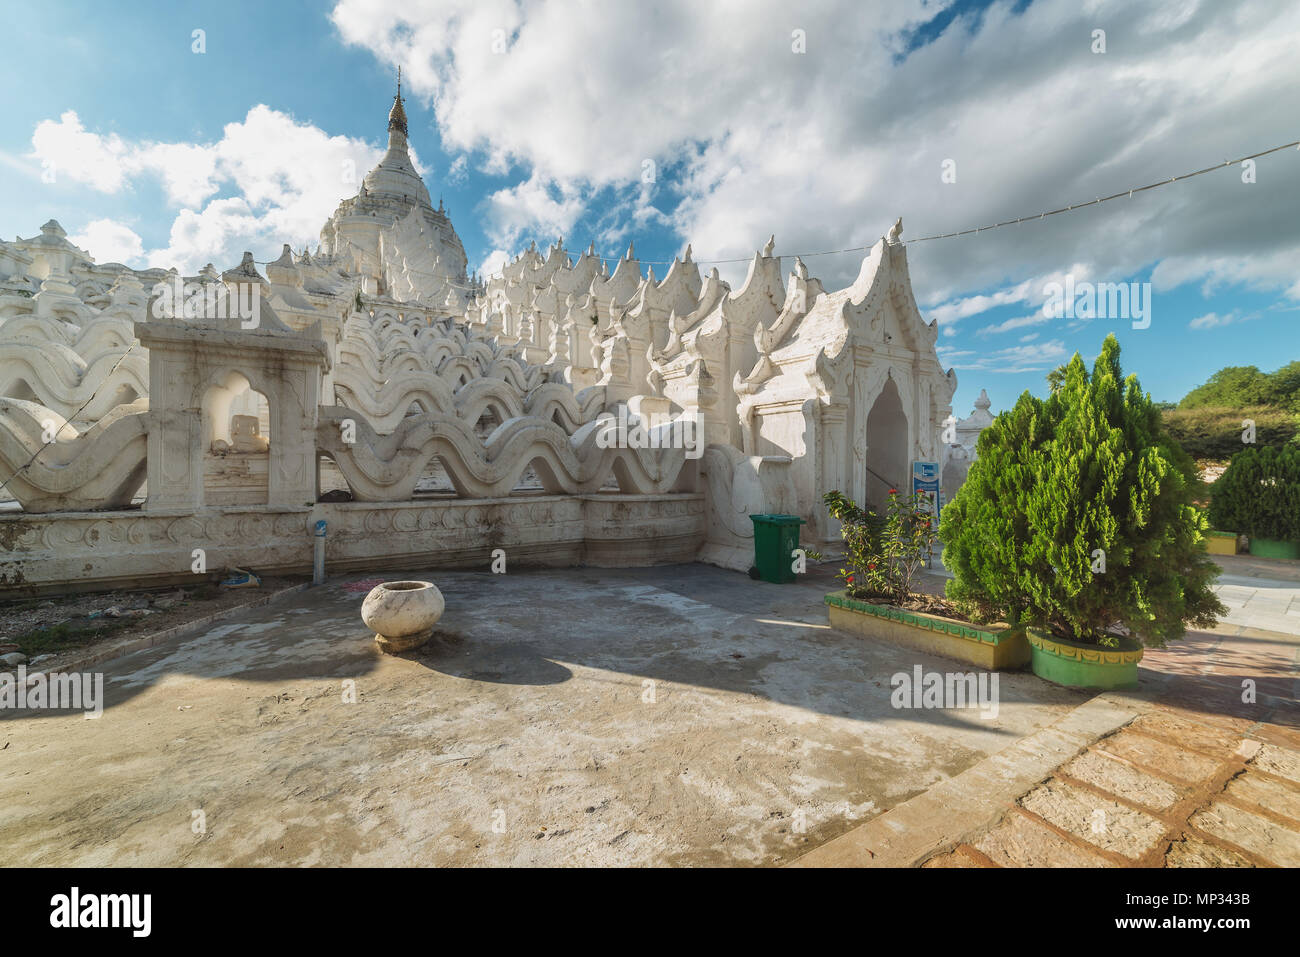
402,614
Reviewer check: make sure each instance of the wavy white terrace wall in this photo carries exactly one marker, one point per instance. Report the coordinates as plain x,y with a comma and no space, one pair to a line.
784,378
459,387
386,375
238,486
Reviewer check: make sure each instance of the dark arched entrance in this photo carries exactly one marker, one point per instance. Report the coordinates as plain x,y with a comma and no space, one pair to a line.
887,465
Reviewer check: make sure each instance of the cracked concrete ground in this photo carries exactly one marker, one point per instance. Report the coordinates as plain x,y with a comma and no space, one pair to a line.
678,715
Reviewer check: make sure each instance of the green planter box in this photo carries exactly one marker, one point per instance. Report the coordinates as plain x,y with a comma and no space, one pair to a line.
1271,548
1077,665
995,647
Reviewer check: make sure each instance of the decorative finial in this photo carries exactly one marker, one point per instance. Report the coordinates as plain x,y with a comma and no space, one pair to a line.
397,115
771,245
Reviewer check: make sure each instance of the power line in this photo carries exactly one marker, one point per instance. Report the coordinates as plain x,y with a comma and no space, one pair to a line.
924,239
980,229
1105,199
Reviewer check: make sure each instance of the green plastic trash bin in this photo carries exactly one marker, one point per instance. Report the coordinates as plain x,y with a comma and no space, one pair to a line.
775,539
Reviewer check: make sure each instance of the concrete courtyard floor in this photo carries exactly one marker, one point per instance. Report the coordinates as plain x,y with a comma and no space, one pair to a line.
678,715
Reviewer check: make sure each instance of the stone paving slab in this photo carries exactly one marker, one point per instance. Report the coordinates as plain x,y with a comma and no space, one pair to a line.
1109,774
1278,798
1095,817
1019,841
1161,757
1201,770
905,835
1270,840
1193,852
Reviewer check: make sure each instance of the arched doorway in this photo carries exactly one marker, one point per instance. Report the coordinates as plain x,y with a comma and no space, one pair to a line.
886,452
236,443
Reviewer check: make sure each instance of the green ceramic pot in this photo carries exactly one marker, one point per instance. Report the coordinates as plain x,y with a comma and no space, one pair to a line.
1078,665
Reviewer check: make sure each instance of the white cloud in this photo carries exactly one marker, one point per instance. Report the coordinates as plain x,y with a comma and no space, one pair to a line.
958,309
1210,320
826,148
110,241
1033,357
1020,322
494,262
532,207
69,150
458,172
188,171
281,178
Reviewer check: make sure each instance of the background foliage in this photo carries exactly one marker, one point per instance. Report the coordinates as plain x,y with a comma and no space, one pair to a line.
1259,494
1208,420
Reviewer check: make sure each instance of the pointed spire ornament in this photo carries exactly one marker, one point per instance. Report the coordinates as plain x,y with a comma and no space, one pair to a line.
397,115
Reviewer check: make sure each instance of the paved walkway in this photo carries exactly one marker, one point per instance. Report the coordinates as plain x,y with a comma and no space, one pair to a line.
680,715
1199,768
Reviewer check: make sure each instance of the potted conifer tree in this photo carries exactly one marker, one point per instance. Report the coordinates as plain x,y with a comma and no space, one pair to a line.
1076,521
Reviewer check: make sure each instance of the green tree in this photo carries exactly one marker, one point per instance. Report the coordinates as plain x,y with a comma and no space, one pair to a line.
1064,487
1235,387
1259,494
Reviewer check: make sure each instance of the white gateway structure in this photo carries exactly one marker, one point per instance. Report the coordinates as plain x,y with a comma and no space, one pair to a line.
566,411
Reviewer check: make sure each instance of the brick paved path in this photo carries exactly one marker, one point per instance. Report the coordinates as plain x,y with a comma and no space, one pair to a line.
1198,768
1200,778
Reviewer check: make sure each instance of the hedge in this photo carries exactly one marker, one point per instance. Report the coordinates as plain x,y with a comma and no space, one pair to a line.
1259,494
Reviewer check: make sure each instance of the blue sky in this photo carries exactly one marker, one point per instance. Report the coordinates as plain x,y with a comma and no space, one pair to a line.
537,119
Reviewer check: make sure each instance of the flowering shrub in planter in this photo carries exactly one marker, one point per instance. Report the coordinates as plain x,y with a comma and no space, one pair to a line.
885,552
883,556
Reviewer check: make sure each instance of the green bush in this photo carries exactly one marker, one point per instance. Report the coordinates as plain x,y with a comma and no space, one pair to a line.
1215,433
1064,487
1259,494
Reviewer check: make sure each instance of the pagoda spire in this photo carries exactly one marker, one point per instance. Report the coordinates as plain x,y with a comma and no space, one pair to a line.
397,115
